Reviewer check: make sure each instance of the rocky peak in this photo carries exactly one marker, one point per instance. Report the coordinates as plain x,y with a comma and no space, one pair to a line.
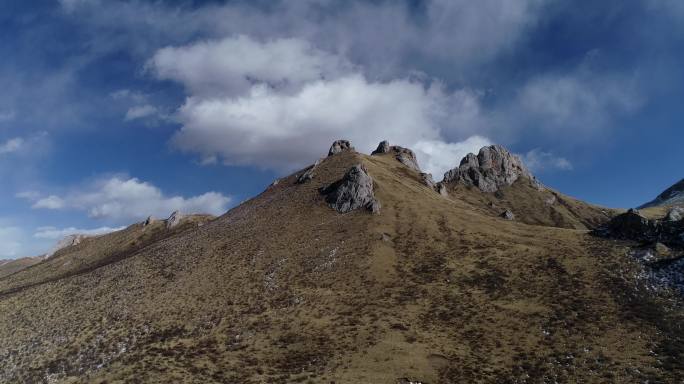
340,146
353,191
403,155
492,168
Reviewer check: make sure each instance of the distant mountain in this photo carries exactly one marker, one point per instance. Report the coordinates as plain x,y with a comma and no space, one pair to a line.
671,196
357,269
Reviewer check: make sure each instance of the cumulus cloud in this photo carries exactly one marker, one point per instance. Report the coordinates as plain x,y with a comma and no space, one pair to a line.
53,233
125,199
11,145
279,104
539,161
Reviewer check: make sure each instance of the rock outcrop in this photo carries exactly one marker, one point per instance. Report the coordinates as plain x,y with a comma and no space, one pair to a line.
427,179
403,155
340,146
148,221
308,174
174,220
635,227
492,168
353,191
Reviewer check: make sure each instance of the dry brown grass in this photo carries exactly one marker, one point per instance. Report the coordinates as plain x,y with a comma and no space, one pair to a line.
283,289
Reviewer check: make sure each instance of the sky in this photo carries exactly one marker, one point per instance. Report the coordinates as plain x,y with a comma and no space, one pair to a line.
112,111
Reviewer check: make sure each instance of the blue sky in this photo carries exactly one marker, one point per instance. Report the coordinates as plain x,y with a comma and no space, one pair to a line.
111,111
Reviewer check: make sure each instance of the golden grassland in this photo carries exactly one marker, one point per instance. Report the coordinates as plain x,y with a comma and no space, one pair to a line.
283,289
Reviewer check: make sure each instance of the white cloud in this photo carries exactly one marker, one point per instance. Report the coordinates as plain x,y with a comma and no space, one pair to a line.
232,65
539,161
11,145
438,157
53,233
139,112
50,202
279,104
124,199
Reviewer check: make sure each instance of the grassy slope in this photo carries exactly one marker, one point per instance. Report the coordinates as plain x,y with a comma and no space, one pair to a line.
8,267
284,289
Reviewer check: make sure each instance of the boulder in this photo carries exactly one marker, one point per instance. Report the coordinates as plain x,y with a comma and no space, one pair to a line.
492,168
507,215
675,214
353,191
148,221
174,220
403,155
340,146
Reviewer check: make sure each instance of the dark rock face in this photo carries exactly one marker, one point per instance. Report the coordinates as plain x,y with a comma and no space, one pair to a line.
403,155
492,168
383,147
353,191
508,215
633,226
442,189
340,146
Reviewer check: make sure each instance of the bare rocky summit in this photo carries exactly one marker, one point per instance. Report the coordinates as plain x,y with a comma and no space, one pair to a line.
492,168
671,196
340,146
403,155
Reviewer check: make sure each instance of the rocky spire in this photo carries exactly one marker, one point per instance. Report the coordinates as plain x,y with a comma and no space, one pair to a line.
174,219
492,168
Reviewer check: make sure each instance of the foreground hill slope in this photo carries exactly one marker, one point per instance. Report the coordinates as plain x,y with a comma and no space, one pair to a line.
285,289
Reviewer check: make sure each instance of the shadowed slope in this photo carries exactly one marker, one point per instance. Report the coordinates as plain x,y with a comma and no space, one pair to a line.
284,289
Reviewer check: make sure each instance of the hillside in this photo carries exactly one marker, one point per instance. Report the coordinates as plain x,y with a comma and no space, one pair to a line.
283,289
8,267
672,196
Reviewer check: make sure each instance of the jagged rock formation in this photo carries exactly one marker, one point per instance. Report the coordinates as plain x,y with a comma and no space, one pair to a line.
353,191
675,214
442,189
174,219
148,221
492,168
508,215
340,146
632,225
308,174
671,196
403,155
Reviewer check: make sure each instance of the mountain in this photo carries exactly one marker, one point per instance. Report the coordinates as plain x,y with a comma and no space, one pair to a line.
361,272
670,197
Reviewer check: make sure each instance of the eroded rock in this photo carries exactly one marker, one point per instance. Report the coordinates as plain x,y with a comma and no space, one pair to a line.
635,227
383,147
442,189
340,146
353,191
426,178
492,168
308,174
